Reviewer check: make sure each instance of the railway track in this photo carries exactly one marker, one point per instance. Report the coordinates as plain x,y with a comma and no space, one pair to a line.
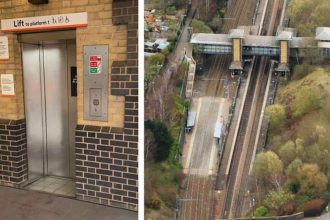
243,148
231,179
237,15
197,204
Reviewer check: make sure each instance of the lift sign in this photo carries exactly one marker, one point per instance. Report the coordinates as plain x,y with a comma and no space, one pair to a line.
95,64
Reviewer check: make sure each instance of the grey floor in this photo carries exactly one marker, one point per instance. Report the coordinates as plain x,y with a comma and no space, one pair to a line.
19,204
55,185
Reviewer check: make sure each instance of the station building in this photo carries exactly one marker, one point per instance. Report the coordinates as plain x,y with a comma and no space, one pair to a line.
69,98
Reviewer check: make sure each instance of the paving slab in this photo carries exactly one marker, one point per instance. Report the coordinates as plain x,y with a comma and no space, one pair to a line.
18,204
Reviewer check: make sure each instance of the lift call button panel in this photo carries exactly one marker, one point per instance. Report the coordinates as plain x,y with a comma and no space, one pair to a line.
96,76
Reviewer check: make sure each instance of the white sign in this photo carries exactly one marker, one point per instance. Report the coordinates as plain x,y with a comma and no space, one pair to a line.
7,84
4,50
45,22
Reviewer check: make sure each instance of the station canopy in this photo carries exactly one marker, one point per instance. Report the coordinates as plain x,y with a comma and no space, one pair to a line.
217,130
191,119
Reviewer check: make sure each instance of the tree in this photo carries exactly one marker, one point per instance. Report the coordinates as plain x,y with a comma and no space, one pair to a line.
300,148
200,27
197,52
328,176
306,15
293,167
149,74
215,23
180,107
312,181
276,200
183,69
163,139
269,168
276,115
318,155
321,134
171,10
149,144
307,100
287,152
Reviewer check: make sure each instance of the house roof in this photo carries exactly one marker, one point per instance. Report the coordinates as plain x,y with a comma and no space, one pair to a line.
322,34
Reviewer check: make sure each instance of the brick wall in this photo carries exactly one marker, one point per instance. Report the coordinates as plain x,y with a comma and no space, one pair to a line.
106,162
13,152
106,166
100,30
106,152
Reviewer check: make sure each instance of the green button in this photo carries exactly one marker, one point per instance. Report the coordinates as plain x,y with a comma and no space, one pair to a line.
93,70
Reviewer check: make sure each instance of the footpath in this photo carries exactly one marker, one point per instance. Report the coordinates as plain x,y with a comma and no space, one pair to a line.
17,204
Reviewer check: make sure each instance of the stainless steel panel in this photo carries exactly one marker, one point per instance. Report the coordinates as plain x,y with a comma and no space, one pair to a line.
98,79
50,110
73,118
34,109
56,90
35,38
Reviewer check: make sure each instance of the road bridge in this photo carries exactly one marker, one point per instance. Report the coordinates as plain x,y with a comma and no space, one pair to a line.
243,41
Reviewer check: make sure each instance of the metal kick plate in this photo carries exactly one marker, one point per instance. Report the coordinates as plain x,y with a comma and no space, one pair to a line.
96,82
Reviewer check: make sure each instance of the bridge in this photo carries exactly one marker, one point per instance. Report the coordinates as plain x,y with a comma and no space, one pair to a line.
244,41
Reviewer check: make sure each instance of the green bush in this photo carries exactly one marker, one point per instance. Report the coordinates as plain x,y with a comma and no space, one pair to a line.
170,47
172,37
150,73
157,59
166,51
277,200
200,27
261,211
171,10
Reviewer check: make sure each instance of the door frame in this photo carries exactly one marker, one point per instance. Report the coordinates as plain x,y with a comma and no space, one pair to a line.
36,38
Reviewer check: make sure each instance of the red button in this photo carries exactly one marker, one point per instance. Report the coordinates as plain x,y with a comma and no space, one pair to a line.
93,58
93,64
